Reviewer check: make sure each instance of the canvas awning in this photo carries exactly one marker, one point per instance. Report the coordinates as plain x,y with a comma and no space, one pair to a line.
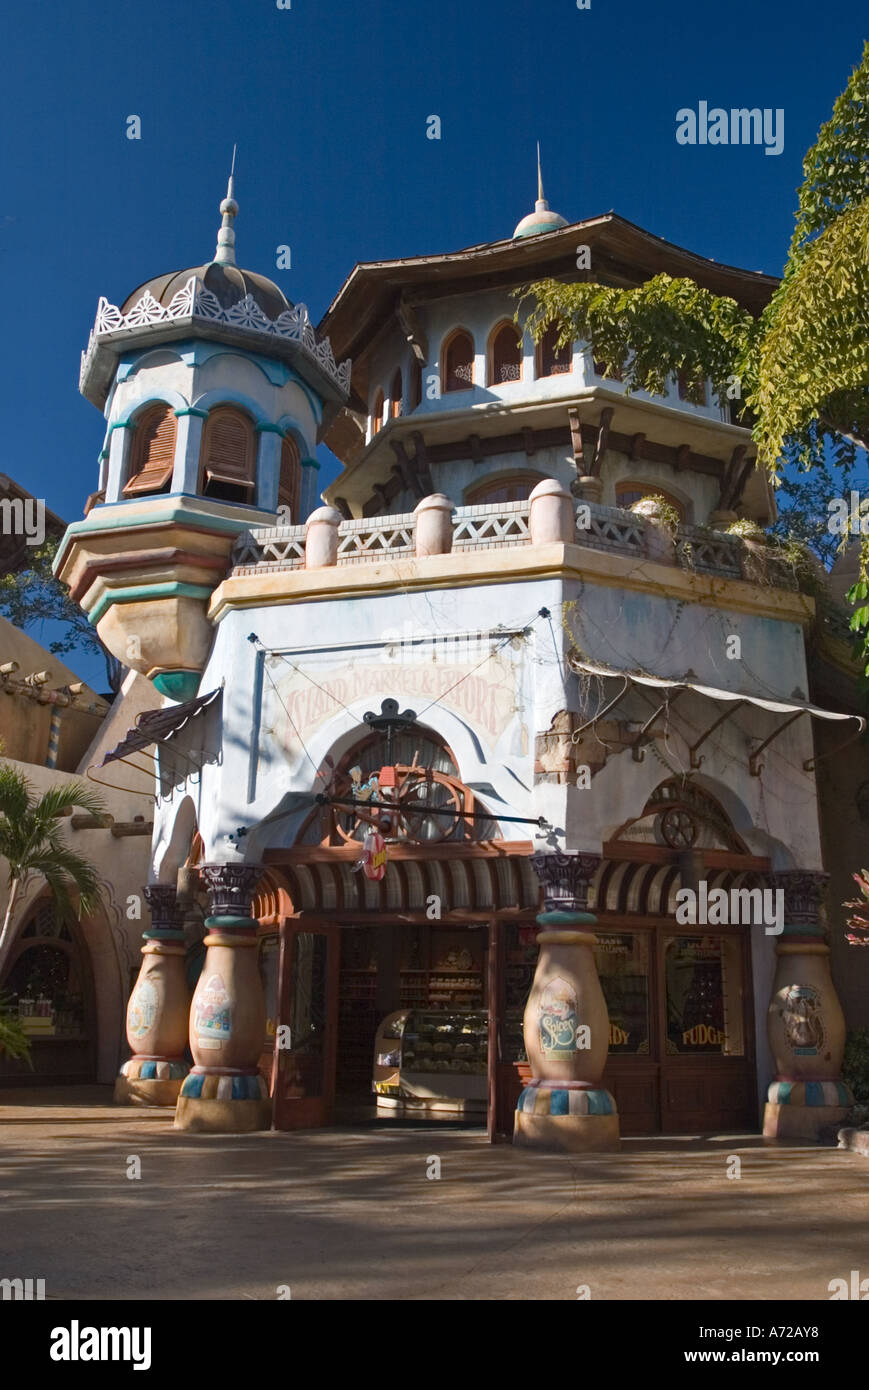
734,699
159,725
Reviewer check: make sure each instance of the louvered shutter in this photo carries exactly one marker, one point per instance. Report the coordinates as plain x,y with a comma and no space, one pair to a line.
228,451
290,479
153,452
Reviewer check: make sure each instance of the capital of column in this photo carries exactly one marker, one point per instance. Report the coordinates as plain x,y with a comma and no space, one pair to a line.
230,890
166,918
804,891
566,880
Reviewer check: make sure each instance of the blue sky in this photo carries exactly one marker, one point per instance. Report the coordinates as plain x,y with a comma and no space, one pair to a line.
328,103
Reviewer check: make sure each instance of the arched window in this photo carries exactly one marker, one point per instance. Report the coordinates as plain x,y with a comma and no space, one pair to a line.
505,355
552,360
50,975
153,452
377,414
228,458
415,383
289,484
395,395
511,487
457,357
628,493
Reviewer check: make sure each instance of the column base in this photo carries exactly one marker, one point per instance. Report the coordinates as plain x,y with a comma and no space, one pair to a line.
150,1081
223,1103
802,1109
566,1120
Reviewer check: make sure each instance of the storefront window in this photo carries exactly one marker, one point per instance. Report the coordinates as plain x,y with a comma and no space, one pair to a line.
43,984
623,966
305,1057
268,969
704,995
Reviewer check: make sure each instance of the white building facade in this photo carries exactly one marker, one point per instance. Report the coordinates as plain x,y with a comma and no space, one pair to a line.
552,713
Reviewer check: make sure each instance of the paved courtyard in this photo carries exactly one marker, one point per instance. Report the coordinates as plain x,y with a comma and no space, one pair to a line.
349,1213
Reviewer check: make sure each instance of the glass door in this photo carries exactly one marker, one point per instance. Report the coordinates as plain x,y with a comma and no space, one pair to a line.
303,1072
708,1078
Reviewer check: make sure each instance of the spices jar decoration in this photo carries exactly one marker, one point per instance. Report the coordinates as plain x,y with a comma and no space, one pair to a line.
566,1026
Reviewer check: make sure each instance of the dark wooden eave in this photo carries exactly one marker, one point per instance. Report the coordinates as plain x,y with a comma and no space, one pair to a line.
621,252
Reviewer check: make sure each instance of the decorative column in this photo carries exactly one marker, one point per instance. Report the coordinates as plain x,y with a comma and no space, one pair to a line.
805,1022
268,467
158,1008
188,448
120,437
224,1093
565,1107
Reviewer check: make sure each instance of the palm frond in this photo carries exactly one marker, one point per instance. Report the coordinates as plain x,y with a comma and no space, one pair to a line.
61,867
57,800
16,794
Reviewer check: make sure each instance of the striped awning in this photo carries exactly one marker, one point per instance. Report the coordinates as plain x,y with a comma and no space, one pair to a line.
628,887
485,881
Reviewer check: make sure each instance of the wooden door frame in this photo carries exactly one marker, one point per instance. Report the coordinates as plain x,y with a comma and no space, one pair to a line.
311,1112
672,1065
658,1062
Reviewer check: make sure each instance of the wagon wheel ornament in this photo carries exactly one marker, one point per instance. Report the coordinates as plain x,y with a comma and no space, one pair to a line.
417,793
678,828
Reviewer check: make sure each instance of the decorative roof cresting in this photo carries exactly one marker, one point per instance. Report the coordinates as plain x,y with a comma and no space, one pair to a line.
194,301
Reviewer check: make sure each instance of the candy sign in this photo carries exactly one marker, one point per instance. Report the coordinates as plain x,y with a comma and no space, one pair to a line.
374,856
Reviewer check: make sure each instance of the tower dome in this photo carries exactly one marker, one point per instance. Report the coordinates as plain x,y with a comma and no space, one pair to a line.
226,281
214,387
542,219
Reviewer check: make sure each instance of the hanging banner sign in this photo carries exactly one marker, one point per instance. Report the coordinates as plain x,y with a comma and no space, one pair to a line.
374,856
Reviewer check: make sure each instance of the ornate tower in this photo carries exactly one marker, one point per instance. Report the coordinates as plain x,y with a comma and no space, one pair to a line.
215,389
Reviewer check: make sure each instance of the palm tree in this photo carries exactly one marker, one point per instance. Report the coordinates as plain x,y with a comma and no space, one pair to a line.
14,1042
30,842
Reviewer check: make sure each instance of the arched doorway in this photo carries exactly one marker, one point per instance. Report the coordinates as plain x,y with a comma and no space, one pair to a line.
50,982
679,994
424,945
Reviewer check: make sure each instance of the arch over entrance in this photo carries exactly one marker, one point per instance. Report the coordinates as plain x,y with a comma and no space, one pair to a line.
679,991
423,942
49,979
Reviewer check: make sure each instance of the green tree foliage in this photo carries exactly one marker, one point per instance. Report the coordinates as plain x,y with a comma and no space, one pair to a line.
34,595
802,367
31,842
667,327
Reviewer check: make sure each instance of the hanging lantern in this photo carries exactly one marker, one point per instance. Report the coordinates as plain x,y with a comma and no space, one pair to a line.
374,856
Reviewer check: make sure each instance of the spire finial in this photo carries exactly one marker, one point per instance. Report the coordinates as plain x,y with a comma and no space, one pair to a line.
225,253
541,205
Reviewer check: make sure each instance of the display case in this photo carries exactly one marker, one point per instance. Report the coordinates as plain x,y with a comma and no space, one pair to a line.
431,1063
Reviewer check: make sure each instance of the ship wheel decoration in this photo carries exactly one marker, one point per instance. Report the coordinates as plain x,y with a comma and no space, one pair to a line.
402,801
678,828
